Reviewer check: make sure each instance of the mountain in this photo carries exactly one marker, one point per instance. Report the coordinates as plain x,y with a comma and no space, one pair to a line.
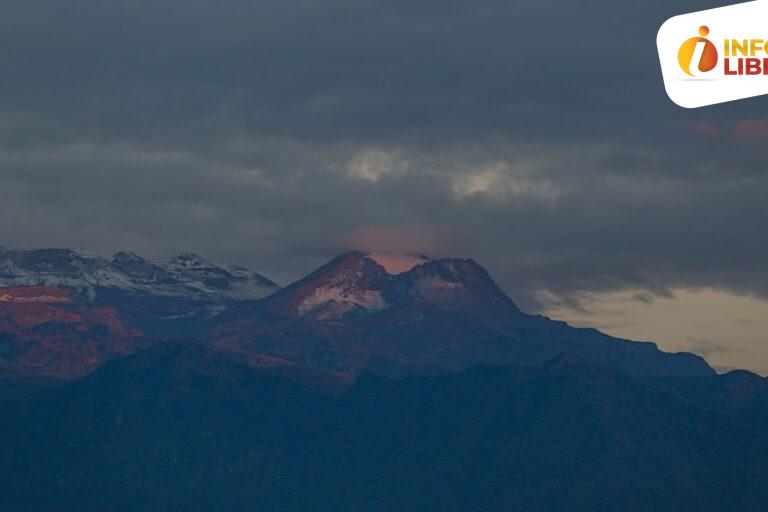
430,316
390,314
181,426
63,313
357,282
186,276
377,382
165,297
44,333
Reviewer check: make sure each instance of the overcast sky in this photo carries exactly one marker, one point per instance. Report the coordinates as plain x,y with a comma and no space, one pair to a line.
534,136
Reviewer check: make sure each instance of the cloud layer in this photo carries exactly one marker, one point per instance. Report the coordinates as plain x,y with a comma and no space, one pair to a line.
534,136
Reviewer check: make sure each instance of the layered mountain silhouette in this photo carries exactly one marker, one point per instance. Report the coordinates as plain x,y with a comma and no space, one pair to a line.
185,276
160,297
376,382
360,312
182,426
438,316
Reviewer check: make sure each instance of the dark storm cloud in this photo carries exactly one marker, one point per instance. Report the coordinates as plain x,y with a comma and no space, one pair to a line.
535,133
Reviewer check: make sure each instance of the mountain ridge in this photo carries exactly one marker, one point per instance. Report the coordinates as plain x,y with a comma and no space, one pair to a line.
426,316
440,315
420,386
185,275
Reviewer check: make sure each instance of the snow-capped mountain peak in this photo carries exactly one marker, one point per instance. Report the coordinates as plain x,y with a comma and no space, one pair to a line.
186,260
350,282
186,275
359,282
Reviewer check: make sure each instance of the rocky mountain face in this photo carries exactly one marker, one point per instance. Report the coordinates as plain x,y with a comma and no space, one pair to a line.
391,315
357,283
377,382
45,333
437,316
166,297
186,276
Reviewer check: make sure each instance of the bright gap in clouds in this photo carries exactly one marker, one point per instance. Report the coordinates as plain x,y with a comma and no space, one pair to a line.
730,331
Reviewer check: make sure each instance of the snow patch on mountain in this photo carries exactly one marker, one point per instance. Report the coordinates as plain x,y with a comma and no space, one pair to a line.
367,299
184,276
430,283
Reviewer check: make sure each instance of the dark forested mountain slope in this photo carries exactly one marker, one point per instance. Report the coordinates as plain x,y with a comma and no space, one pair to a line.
181,426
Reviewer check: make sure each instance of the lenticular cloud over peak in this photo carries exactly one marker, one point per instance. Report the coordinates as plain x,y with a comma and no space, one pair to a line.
415,239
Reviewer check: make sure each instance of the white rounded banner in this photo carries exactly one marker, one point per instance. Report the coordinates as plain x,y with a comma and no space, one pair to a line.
717,55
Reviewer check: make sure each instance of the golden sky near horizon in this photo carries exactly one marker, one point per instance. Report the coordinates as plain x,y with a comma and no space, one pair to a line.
730,331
